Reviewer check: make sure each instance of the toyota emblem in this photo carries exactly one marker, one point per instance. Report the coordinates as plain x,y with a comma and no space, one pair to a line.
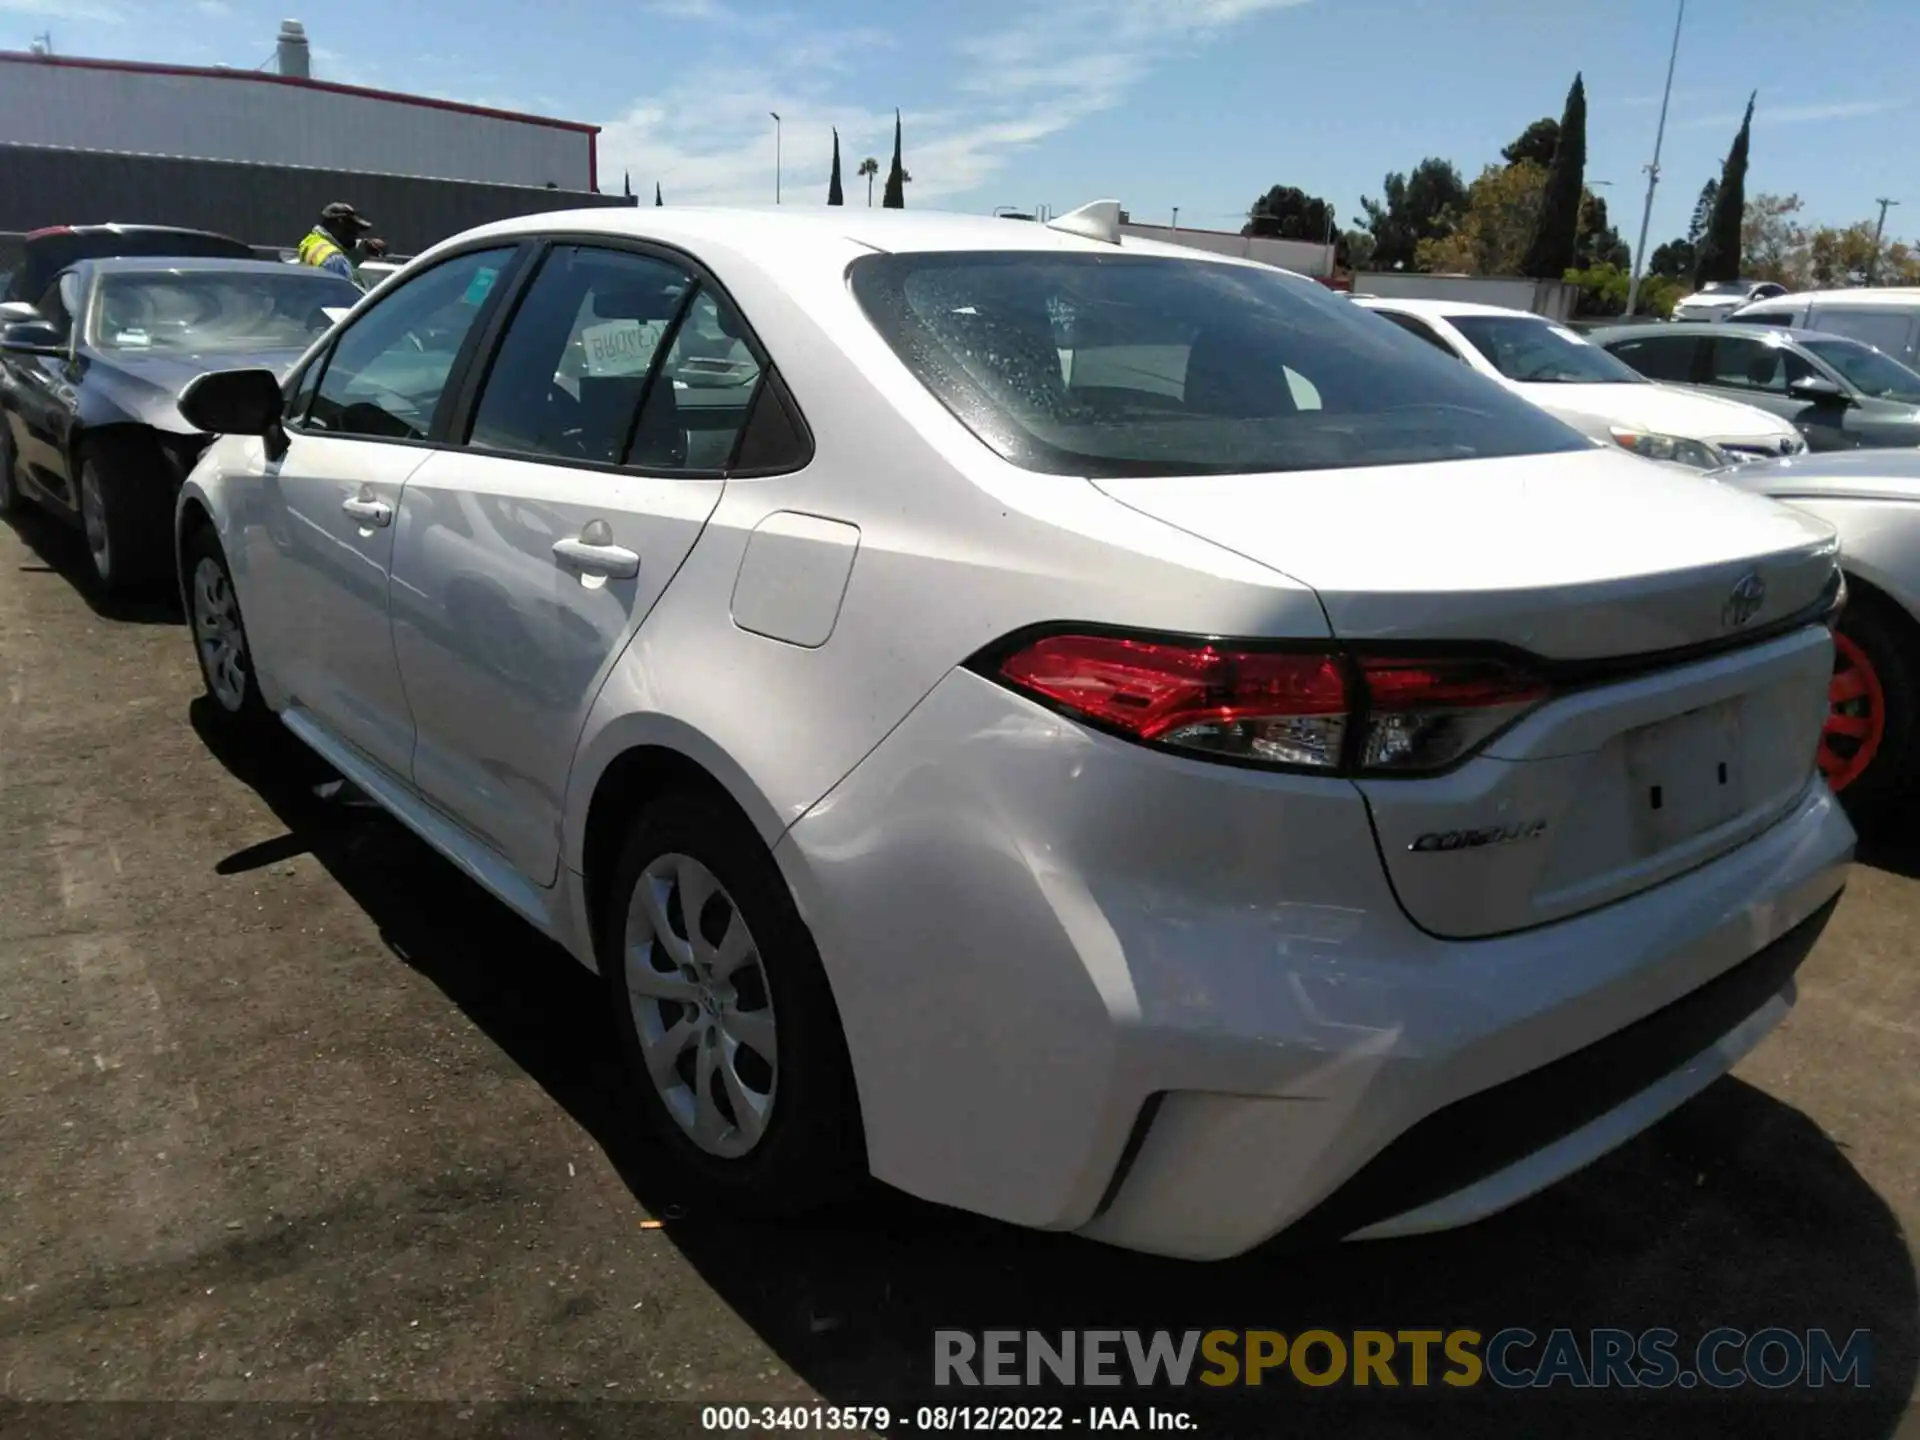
1744,603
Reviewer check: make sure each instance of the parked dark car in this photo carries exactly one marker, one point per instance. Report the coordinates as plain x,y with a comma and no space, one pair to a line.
90,376
45,253
1840,394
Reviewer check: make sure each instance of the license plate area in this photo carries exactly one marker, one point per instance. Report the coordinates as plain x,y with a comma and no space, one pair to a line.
1687,775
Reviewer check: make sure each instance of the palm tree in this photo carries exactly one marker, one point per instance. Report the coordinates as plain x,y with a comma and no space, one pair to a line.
869,167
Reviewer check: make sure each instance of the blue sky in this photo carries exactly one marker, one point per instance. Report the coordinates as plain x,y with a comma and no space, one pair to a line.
1196,103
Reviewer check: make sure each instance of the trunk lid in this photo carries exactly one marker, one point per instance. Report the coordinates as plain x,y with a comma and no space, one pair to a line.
1643,763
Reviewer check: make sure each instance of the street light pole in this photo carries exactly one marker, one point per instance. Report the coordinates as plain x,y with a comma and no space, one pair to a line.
776,155
1879,228
1653,170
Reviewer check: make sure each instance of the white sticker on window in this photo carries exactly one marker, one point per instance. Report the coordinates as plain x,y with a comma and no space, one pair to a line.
621,347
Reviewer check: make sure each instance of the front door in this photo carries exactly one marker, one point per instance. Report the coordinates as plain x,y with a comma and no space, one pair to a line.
319,535
526,560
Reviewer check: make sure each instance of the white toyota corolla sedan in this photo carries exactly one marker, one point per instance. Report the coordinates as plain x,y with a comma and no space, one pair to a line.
1107,736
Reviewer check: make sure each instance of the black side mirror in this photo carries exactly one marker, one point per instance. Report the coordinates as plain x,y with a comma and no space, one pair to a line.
237,402
1819,390
32,337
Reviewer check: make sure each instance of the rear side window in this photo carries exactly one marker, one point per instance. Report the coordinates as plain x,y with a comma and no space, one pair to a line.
1660,357
1089,364
1765,317
1420,330
1886,330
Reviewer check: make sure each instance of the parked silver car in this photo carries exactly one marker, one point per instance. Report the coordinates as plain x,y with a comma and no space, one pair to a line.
1871,750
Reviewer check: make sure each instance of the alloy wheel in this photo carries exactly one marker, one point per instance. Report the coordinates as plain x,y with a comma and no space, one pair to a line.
93,517
218,634
1856,715
701,1006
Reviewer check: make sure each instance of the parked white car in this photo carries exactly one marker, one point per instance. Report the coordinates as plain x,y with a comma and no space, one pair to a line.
1567,375
1886,318
1722,298
1306,787
1871,751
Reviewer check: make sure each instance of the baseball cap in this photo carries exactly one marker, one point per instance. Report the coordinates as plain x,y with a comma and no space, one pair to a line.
340,210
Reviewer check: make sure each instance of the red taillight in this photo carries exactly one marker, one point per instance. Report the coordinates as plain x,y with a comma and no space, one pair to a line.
1292,708
47,230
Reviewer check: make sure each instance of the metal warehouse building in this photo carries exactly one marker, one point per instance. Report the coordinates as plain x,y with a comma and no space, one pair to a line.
256,154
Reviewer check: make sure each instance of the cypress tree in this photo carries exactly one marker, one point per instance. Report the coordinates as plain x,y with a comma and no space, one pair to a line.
1556,233
834,197
656,194
895,196
1720,246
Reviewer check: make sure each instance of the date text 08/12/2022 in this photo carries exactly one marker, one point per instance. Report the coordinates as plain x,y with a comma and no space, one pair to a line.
879,1419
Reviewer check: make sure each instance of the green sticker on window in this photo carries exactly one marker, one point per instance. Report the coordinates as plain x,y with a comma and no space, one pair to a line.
479,286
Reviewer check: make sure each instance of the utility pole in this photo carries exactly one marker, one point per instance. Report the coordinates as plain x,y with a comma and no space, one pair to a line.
1176,218
1879,227
776,155
1653,170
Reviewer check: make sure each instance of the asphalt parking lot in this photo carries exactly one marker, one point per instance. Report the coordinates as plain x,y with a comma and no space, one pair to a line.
294,1113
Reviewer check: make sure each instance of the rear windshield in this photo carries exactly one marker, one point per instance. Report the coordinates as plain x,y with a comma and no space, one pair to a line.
1120,365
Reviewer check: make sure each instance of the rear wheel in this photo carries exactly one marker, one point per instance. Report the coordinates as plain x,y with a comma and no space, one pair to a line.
729,1029
1870,748
125,514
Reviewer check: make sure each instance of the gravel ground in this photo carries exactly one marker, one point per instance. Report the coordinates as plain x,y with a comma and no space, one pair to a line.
293,1113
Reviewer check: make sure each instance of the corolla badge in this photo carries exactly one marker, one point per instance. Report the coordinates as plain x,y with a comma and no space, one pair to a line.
1745,601
1475,839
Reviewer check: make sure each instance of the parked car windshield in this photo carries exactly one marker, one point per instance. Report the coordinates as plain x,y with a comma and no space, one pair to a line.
1868,370
1538,352
1147,365
206,310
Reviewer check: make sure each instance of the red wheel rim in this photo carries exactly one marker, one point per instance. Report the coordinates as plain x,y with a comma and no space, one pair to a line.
1856,716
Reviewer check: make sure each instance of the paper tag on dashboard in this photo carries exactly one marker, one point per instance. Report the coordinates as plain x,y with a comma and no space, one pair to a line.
620,347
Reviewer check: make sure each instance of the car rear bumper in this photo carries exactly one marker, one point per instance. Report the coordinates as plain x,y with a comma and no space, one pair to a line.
1175,1006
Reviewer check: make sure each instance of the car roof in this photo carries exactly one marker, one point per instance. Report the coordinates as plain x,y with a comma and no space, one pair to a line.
1898,296
191,264
1799,334
765,234
1441,309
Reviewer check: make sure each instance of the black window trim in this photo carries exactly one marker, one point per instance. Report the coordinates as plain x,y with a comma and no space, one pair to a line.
1418,327
509,280
473,377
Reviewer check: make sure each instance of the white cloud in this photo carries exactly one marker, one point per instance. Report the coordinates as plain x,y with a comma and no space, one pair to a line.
1764,115
709,138
102,11
213,7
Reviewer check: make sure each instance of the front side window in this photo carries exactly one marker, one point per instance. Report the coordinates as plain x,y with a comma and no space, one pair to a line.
60,302
1101,365
388,372
1671,358
1885,330
1866,369
568,378
1539,352
208,311
1742,363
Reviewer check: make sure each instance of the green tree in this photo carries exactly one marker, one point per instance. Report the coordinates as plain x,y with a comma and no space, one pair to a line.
1773,244
1702,213
869,167
1674,260
834,197
1496,224
1598,243
1552,250
1287,212
1422,206
1536,143
1603,291
894,197
656,194
1720,246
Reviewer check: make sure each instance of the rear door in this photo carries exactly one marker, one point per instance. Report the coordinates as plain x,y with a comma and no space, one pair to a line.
1672,359
1757,373
595,449
318,524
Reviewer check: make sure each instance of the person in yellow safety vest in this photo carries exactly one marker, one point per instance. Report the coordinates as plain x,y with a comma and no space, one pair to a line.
337,243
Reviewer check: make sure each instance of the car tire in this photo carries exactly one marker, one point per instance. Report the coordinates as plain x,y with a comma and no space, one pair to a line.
220,636
126,514
763,1132
1870,751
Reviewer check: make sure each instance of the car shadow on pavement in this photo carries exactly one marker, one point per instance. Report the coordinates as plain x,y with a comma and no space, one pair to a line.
63,552
1736,1211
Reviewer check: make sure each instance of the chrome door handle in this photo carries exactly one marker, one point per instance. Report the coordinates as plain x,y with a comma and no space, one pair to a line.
368,511
616,562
